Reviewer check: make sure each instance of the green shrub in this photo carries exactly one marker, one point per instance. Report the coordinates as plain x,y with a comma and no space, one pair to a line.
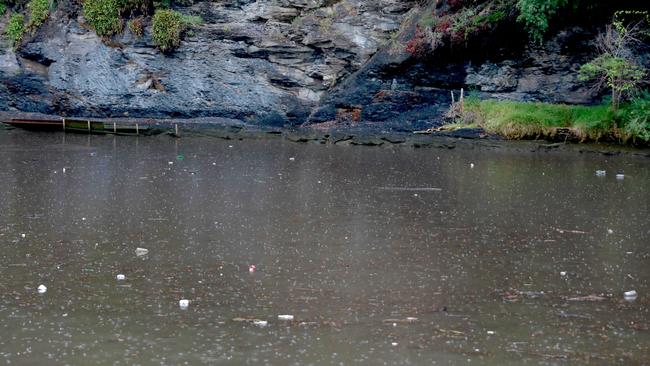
103,16
167,28
40,10
635,118
129,8
535,14
135,26
15,29
3,9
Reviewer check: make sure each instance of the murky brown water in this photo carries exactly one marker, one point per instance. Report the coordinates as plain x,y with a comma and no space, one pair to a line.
352,241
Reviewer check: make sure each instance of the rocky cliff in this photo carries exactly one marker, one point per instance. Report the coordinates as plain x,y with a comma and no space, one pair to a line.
285,62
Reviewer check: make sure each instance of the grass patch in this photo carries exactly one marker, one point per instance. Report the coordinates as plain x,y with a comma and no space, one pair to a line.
15,29
522,120
39,11
191,20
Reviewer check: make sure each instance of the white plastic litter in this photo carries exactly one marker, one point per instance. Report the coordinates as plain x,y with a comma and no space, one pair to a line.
610,231
600,173
41,289
141,251
120,277
394,344
22,235
292,159
490,332
260,323
471,165
252,268
620,176
563,273
630,295
285,317
184,304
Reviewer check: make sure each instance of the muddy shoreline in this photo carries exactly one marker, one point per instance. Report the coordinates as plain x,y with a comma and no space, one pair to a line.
356,134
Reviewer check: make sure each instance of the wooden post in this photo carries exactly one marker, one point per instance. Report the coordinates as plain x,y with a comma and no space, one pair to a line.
176,130
462,101
114,127
137,129
88,126
63,124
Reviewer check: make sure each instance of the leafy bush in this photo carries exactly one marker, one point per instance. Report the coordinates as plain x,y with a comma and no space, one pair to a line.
15,29
40,10
167,28
129,8
3,8
635,118
535,14
135,26
103,16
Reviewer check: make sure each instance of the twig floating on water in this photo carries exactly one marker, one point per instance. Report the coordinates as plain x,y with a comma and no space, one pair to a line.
411,189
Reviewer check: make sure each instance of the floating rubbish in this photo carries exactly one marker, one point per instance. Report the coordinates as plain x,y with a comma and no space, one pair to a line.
563,273
180,157
170,162
292,159
471,165
620,176
591,298
285,317
252,268
610,231
22,235
141,251
406,320
394,344
63,170
600,173
260,323
120,277
490,332
41,289
630,295
184,304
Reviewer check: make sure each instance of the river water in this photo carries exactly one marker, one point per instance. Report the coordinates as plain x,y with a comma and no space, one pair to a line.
384,256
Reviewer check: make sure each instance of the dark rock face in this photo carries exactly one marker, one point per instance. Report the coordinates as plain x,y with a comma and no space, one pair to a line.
394,86
265,62
284,62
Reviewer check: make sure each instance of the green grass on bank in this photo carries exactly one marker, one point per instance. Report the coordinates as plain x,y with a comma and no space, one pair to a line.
524,120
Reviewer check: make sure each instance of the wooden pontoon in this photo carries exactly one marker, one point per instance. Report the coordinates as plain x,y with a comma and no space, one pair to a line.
78,125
